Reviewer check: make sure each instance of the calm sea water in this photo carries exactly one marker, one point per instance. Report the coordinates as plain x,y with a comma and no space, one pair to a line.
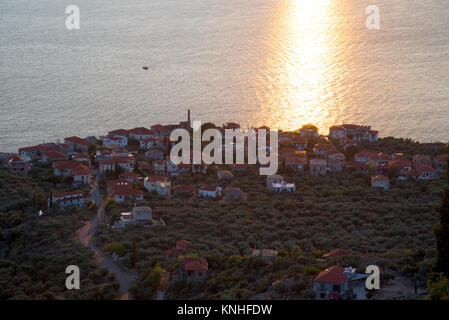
281,63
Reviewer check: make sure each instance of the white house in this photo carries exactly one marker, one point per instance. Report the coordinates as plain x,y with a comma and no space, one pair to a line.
334,281
380,181
115,141
209,191
424,172
70,199
159,184
283,187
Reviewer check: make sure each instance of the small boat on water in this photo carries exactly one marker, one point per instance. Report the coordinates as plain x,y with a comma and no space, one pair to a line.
145,68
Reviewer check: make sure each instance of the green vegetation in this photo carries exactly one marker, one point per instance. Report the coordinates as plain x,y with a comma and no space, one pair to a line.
391,229
35,250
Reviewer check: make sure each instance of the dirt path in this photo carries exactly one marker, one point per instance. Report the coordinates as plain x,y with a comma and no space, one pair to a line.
85,235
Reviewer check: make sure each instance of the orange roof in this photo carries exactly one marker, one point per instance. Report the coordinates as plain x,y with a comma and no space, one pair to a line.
379,177
324,146
195,264
66,164
103,162
442,157
423,168
155,178
66,194
54,155
141,130
78,140
209,188
338,252
82,170
295,159
334,275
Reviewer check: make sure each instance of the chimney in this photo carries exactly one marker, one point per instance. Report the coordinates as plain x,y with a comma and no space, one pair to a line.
188,119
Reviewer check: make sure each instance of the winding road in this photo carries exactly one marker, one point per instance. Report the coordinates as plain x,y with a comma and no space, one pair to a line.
85,235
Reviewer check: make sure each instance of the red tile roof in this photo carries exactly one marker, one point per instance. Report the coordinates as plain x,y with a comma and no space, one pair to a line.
338,252
54,155
66,164
78,140
442,157
334,275
209,188
379,177
104,162
195,264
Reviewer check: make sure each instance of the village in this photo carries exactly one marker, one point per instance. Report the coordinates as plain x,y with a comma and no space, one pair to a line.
132,166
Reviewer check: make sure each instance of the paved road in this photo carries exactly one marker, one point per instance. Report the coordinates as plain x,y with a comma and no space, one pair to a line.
85,235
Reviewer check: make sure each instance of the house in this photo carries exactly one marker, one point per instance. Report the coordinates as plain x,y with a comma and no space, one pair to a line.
266,254
346,142
338,156
337,132
74,199
129,176
184,191
323,149
193,269
403,168
331,280
36,152
143,165
334,281
310,133
140,133
51,156
106,165
17,164
317,167
126,163
225,175
209,191
300,143
283,187
440,163
423,172
380,181
296,162
337,253
139,215
66,167
81,175
182,248
82,157
154,154
118,133
334,165
421,159
365,156
77,144
161,185
159,130
356,166
234,194
152,143
275,178
115,141
103,154
335,162
125,192
159,168
355,132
